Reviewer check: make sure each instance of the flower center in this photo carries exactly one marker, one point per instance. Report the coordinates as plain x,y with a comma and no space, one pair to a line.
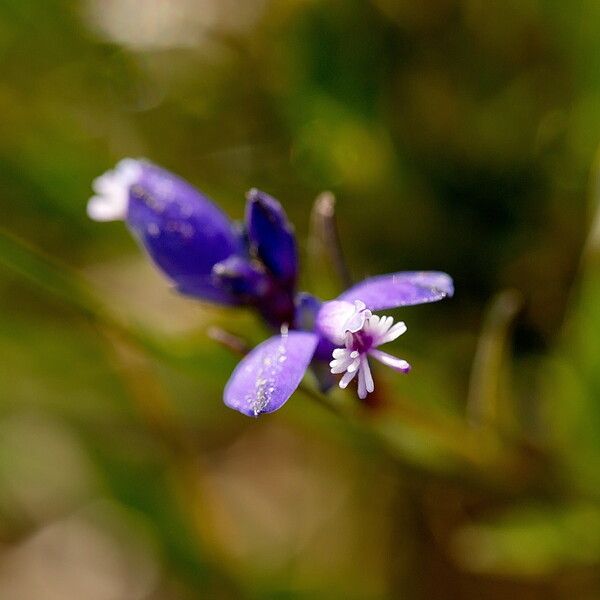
362,333
360,341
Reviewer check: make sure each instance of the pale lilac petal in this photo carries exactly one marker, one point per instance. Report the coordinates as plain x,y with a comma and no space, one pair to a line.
265,379
398,364
331,320
400,289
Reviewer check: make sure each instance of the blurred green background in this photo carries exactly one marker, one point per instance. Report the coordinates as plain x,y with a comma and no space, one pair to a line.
457,135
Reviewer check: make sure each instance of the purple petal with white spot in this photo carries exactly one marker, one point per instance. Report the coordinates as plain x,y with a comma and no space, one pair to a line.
182,230
271,236
401,289
265,379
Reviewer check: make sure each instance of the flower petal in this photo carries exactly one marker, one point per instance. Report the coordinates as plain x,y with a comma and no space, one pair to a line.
332,318
205,288
271,236
241,277
265,379
400,289
307,310
182,230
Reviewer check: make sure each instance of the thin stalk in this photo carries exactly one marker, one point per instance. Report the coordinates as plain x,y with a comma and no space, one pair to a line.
485,405
325,257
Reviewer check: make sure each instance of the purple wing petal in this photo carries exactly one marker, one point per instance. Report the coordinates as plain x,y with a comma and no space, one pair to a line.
182,230
265,379
401,289
270,235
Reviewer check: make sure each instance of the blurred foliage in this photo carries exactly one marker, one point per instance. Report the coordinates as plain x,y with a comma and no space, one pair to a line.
456,135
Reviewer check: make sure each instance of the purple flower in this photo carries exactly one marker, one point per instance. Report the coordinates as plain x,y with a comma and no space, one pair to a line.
208,257
265,379
358,333
196,245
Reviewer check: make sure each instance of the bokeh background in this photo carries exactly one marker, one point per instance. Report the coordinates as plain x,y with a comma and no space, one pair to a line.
457,135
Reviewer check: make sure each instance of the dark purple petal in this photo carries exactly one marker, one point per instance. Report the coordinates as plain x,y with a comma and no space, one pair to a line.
271,236
241,278
277,307
401,289
265,379
182,230
205,288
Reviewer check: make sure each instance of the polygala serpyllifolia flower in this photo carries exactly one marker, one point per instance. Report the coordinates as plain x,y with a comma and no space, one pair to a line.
346,328
209,257
197,246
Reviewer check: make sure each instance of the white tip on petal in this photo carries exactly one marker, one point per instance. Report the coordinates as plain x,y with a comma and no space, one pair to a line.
112,191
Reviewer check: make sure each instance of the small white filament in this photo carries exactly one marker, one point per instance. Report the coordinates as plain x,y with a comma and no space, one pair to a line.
365,328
